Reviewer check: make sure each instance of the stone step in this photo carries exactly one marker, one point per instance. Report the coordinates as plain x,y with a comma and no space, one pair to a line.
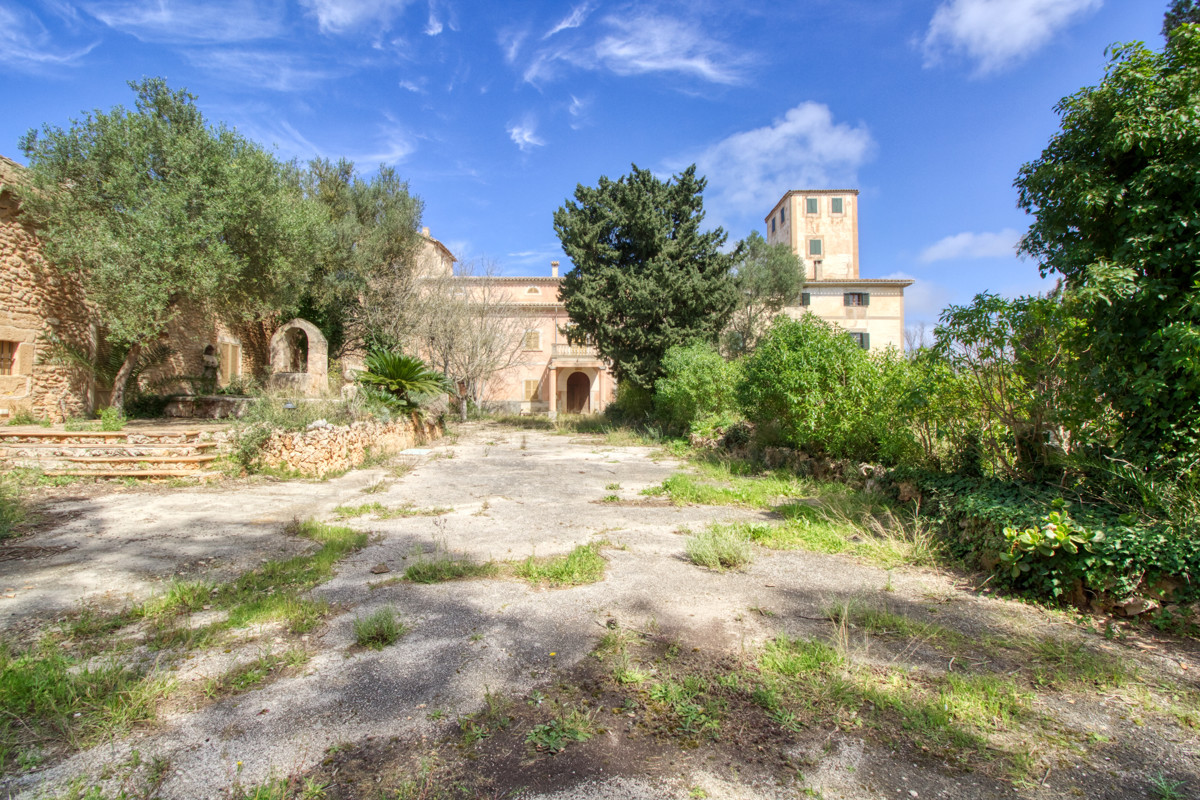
141,459
133,473
85,437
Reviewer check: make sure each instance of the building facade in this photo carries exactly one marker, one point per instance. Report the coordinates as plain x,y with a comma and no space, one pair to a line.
821,228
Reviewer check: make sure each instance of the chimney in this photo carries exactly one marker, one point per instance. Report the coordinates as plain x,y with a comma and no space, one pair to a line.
425,232
553,269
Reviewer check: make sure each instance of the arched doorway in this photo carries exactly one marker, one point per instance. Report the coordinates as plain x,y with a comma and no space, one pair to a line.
297,342
579,390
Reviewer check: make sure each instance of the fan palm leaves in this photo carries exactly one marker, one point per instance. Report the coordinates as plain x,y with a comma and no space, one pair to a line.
406,379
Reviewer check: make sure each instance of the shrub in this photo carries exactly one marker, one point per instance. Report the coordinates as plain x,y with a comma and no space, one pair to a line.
631,406
820,392
696,391
111,419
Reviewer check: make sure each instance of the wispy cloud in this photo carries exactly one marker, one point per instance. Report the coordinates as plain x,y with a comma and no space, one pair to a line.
806,148
648,43
541,256
638,45
396,144
339,16
972,245
434,26
510,41
577,108
996,34
27,45
280,136
416,87
283,72
211,21
524,134
572,20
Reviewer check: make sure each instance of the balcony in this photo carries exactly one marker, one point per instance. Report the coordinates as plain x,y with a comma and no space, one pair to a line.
574,352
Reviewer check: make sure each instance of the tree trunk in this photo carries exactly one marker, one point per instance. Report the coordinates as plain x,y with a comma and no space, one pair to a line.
462,407
119,382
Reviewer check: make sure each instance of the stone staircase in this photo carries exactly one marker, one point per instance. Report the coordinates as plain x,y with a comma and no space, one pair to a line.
143,453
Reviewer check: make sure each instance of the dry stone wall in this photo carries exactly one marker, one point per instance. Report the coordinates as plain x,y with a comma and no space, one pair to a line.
325,449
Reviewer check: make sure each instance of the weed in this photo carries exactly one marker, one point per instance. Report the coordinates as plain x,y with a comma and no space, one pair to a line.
378,629
720,547
610,498
375,487
380,511
1166,789
571,725
442,565
582,565
613,487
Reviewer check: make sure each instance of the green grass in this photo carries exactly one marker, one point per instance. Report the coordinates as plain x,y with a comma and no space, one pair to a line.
720,547
44,686
12,510
49,700
378,629
582,565
380,511
442,565
245,677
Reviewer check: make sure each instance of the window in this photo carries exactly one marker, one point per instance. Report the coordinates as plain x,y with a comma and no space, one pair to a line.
805,299
532,340
862,339
8,358
814,247
856,299
533,290
772,224
781,217
531,389
812,205
836,206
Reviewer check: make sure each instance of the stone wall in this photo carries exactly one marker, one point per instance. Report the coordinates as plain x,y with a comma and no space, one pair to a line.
36,299
327,448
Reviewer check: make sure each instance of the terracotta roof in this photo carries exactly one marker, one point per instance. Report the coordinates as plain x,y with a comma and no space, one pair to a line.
855,281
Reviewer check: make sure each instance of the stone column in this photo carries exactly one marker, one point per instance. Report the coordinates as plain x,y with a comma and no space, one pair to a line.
553,392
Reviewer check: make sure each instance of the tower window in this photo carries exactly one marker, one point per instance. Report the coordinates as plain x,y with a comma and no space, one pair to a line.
812,205
836,206
814,247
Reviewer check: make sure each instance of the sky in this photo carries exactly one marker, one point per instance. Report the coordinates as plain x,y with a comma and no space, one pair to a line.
494,112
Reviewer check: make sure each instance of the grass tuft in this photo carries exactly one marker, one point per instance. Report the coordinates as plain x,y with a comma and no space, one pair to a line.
720,547
378,629
582,565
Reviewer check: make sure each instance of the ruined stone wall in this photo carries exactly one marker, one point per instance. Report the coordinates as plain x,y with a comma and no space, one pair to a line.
322,450
35,299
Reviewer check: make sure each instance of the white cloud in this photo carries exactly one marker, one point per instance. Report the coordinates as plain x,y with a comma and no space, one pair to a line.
338,16
749,171
972,245
998,33
573,20
282,72
644,44
395,145
26,43
924,300
510,41
416,87
212,21
280,136
524,134
434,26
578,108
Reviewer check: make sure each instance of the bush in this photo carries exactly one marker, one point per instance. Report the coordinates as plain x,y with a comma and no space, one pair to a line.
720,547
111,419
696,391
268,414
632,405
818,391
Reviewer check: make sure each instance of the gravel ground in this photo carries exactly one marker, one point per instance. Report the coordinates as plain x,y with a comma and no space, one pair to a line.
511,493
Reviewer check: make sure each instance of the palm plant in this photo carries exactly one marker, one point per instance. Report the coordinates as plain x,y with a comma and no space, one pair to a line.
401,381
102,367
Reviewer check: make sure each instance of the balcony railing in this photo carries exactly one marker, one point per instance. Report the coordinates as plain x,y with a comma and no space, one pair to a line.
574,351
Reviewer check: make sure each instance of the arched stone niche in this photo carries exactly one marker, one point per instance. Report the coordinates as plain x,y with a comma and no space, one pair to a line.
299,359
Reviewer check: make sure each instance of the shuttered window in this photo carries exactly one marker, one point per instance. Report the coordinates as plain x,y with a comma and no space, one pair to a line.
531,389
231,362
812,205
814,247
836,206
532,341
8,358
857,299
805,299
863,339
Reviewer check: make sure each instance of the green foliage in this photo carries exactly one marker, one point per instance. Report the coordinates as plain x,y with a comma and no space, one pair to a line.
1115,196
155,210
645,276
103,363
1035,554
696,390
820,392
374,224
405,382
111,419
12,508
572,725
1181,12
769,277
1019,377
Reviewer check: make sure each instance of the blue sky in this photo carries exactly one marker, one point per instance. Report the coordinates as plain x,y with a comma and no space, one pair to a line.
495,111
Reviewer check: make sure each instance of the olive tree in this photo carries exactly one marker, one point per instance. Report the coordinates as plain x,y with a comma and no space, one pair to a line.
155,210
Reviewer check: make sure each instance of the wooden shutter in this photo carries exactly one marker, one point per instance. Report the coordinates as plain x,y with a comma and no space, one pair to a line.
531,389
805,299
866,298
8,358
